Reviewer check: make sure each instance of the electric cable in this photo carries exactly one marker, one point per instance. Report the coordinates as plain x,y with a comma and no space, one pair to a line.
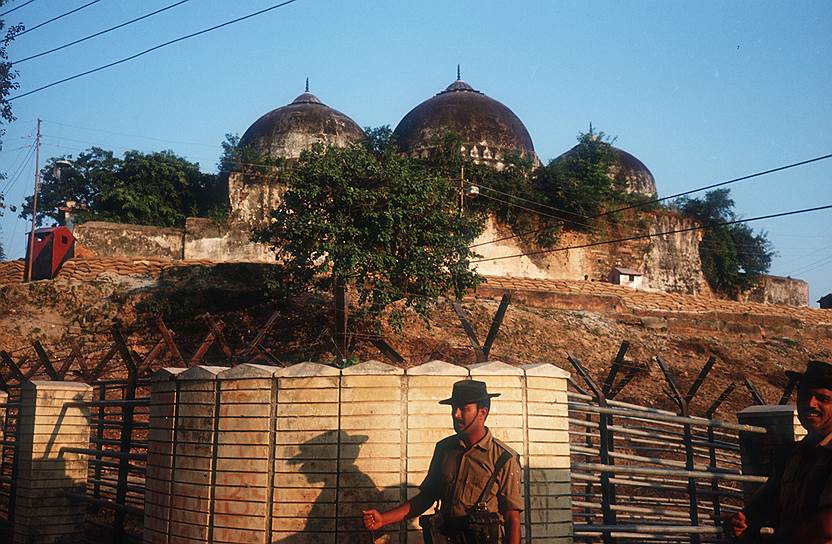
19,168
535,202
811,266
677,195
16,8
105,31
643,236
542,214
15,148
105,131
154,48
53,19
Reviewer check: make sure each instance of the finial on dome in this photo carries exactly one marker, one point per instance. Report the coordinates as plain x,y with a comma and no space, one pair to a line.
307,85
592,135
458,73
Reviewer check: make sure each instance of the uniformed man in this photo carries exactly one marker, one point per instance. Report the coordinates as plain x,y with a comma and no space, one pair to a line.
797,500
460,469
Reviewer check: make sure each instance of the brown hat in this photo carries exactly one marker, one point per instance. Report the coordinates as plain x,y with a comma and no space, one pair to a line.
817,374
468,391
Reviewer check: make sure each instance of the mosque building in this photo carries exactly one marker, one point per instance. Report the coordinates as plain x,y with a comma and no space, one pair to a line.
489,131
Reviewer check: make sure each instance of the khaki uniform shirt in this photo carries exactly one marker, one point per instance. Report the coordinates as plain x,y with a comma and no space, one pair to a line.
457,476
799,492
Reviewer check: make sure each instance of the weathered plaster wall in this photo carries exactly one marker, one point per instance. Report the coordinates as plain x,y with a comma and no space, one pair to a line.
669,263
201,239
252,203
125,240
206,239
779,290
292,455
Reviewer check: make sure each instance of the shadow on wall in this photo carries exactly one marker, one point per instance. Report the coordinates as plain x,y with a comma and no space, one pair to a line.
325,519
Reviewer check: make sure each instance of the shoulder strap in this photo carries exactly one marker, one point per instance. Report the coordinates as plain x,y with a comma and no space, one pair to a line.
501,461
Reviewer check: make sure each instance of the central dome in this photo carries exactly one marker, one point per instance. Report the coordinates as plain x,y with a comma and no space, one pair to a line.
489,130
286,131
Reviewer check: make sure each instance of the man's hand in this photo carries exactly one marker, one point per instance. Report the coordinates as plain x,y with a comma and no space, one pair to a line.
735,525
373,519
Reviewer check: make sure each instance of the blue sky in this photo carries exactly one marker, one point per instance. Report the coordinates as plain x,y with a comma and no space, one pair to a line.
700,91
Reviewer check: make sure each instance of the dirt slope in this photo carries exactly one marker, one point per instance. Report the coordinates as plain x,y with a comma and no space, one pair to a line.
545,321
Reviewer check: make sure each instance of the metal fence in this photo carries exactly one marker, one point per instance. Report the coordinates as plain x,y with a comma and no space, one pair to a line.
642,474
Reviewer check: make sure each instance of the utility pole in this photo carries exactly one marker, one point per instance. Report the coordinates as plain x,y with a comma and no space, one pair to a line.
461,187
341,309
31,258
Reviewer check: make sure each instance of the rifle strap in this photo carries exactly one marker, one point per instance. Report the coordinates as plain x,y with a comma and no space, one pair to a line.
501,461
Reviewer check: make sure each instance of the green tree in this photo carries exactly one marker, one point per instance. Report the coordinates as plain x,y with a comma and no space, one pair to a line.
733,256
579,183
384,225
157,188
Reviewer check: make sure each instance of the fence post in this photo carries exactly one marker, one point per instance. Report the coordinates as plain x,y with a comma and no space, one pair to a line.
192,502
370,423
161,445
306,454
760,453
242,492
548,476
53,416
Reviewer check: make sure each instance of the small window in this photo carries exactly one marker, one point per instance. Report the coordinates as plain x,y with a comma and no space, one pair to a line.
632,277
64,240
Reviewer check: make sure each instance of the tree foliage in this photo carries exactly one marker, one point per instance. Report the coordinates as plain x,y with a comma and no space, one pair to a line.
579,183
386,225
733,256
157,188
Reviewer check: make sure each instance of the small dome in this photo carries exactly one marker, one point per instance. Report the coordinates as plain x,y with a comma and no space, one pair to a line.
488,129
288,130
627,171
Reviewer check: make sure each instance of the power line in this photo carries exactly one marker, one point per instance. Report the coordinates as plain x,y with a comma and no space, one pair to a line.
61,16
811,266
13,178
535,202
527,209
154,48
85,38
643,236
18,7
88,142
15,148
677,195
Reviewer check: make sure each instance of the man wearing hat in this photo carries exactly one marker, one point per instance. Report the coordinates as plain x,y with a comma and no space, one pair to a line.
460,473
797,500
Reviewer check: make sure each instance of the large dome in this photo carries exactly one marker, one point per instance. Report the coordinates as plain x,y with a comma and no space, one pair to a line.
629,172
488,129
288,130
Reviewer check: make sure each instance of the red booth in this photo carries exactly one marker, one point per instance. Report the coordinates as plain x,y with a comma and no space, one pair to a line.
52,248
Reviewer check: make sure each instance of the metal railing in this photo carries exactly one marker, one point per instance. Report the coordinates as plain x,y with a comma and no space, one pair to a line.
117,457
642,474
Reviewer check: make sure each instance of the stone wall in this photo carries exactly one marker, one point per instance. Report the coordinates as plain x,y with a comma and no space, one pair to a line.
252,203
207,239
292,455
668,263
778,290
201,239
125,240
